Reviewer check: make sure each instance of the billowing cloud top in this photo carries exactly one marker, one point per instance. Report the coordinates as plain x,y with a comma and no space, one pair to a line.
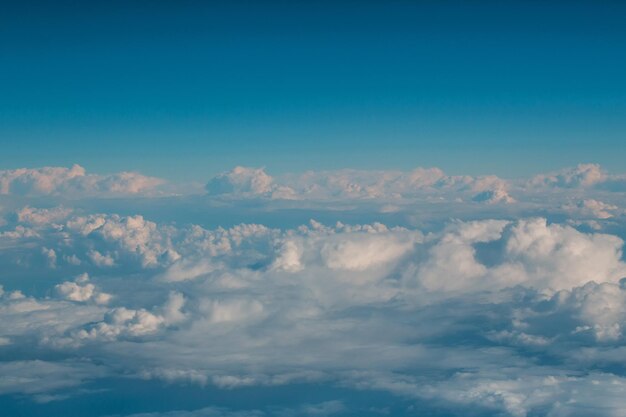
583,175
407,296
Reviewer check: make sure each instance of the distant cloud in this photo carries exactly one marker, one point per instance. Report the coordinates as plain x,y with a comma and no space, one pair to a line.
584,176
593,208
241,180
244,182
73,181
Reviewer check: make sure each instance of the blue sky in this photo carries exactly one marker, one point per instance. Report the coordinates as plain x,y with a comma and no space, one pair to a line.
184,90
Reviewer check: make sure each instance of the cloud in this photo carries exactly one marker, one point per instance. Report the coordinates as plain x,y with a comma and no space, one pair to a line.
241,180
596,310
583,175
36,376
594,209
358,251
274,306
81,290
122,323
519,393
406,289
73,181
244,182
111,238
41,216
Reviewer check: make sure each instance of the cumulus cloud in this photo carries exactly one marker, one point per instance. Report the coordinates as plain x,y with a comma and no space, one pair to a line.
247,181
111,238
42,216
581,176
421,294
81,290
274,306
594,209
520,393
584,314
73,181
122,323
244,182
587,186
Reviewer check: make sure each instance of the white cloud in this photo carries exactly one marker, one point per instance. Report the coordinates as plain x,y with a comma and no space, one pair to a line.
583,175
51,257
73,181
99,259
244,182
122,323
519,393
517,311
253,181
81,290
362,251
590,208
41,217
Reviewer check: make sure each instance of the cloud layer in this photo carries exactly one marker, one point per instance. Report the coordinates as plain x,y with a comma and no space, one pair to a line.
73,181
513,308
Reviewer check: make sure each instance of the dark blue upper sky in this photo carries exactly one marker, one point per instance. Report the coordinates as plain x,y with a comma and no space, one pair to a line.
184,89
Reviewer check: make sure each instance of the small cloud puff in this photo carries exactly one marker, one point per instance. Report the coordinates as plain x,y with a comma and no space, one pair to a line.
81,290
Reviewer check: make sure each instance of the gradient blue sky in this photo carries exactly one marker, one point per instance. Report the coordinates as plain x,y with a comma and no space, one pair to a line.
186,89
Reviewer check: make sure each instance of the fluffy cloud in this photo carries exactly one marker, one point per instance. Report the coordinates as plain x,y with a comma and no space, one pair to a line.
528,252
41,216
586,192
519,393
581,176
594,209
275,306
591,312
73,181
244,182
122,322
82,290
437,302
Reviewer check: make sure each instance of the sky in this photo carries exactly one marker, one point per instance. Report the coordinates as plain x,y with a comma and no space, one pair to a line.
312,209
184,90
